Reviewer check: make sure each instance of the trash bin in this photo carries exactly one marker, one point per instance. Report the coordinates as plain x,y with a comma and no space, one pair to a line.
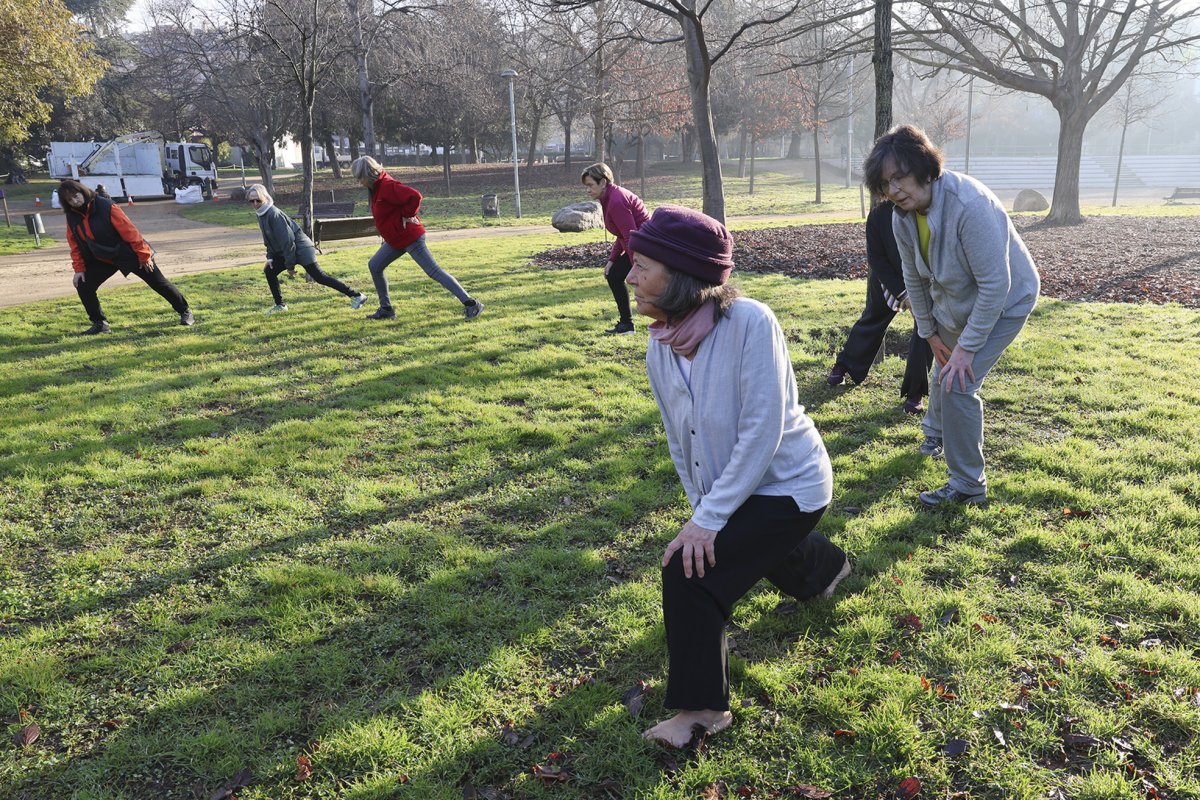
491,205
35,228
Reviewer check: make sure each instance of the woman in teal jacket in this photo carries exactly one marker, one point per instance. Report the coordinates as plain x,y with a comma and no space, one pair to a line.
287,246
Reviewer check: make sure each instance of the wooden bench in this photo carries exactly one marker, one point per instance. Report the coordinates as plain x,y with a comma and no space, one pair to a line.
1184,193
327,230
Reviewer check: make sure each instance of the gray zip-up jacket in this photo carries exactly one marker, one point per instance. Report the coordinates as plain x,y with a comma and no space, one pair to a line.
285,239
979,269
739,429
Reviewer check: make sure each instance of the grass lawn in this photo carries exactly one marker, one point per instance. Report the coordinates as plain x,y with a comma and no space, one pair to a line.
422,554
16,240
549,188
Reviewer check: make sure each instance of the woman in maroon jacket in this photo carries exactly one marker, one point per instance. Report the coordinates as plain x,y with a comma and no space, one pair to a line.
623,214
395,207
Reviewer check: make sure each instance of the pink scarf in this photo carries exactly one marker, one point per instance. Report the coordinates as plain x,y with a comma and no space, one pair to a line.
686,336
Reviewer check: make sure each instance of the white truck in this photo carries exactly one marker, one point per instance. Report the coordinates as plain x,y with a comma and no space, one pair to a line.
135,165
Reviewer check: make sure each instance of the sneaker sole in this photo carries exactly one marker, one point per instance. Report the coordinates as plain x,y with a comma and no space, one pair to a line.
841,576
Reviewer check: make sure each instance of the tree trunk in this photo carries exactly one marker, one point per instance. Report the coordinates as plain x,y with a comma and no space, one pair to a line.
882,59
332,155
1064,208
793,151
817,161
366,99
567,151
306,158
742,150
1120,158
641,160
354,154
699,67
446,167
533,137
753,148
264,148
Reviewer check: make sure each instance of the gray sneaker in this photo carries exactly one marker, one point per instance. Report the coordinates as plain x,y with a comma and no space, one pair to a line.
474,310
932,447
276,309
949,495
357,301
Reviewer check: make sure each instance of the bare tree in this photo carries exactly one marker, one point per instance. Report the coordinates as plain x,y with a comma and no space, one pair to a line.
933,101
1137,101
1076,54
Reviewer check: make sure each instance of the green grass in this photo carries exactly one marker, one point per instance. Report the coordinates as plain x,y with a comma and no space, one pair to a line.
16,240
776,192
377,543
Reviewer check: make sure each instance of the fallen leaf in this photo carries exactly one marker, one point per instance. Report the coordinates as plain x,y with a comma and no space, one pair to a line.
925,683
1080,740
849,734
1109,641
1145,671
28,735
303,768
1147,644
909,788
809,791
182,646
1000,737
745,791
894,657
897,581
1072,512
910,621
990,618
949,617
714,791
508,734
551,773
1013,707
239,781
955,747
634,697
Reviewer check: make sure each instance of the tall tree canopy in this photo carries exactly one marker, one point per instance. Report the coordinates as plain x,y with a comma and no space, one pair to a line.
44,54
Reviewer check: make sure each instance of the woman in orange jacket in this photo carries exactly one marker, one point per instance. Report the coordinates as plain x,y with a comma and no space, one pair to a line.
103,242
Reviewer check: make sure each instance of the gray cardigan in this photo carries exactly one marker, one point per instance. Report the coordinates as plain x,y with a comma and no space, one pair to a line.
739,430
285,239
979,269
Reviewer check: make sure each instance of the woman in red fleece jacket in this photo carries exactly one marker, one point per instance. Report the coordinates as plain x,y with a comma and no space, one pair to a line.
103,242
624,213
395,207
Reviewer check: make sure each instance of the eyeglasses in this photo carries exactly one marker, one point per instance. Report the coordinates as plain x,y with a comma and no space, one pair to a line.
893,183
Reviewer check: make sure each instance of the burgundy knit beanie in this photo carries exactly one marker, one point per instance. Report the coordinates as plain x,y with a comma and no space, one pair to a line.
687,241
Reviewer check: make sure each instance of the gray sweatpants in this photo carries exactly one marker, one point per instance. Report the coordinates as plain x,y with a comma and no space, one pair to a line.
420,253
957,416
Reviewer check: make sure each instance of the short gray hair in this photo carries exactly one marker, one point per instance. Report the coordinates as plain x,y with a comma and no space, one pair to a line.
258,192
366,167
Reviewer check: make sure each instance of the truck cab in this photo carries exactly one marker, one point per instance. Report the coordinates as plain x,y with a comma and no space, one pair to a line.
190,164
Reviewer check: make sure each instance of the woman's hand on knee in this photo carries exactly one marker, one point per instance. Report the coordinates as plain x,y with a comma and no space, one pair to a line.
697,545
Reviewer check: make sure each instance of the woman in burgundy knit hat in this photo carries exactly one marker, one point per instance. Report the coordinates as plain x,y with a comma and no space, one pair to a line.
752,463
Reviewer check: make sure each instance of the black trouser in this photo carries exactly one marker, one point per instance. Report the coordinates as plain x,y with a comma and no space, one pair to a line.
768,537
277,266
866,336
96,273
616,281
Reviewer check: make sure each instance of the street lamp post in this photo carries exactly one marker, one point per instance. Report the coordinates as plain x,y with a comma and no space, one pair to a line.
511,74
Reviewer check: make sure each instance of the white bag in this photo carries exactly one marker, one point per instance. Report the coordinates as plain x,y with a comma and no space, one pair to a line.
189,194
54,200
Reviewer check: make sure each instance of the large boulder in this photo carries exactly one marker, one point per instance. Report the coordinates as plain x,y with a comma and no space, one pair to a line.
1029,200
578,217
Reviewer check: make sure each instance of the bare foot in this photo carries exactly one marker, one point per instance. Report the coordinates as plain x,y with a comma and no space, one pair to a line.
677,731
842,575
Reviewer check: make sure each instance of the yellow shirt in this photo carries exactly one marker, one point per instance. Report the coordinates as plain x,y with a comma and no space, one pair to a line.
923,234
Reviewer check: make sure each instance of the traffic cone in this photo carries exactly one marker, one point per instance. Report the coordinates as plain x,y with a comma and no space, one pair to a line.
37,201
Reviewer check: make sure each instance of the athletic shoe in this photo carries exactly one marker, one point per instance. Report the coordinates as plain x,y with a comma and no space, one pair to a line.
620,328
98,327
837,375
474,310
912,405
841,576
948,494
356,302
932,447
275,309
383,312
186,318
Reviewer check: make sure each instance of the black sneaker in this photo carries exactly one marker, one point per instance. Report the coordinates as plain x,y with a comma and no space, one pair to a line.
837,375
620,328
474,310
98,327
186,318
383,312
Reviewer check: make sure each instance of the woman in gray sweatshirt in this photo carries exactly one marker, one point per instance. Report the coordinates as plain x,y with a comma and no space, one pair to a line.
287,245
972,284
751,461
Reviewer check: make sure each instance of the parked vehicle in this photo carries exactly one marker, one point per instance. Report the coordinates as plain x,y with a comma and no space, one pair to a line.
135,165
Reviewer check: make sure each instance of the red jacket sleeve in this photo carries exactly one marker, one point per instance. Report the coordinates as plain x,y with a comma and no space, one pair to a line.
127,231
76,255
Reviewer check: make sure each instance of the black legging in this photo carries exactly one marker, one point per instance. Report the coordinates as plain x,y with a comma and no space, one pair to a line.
867,335
616,281
768,537
277,266
95,274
